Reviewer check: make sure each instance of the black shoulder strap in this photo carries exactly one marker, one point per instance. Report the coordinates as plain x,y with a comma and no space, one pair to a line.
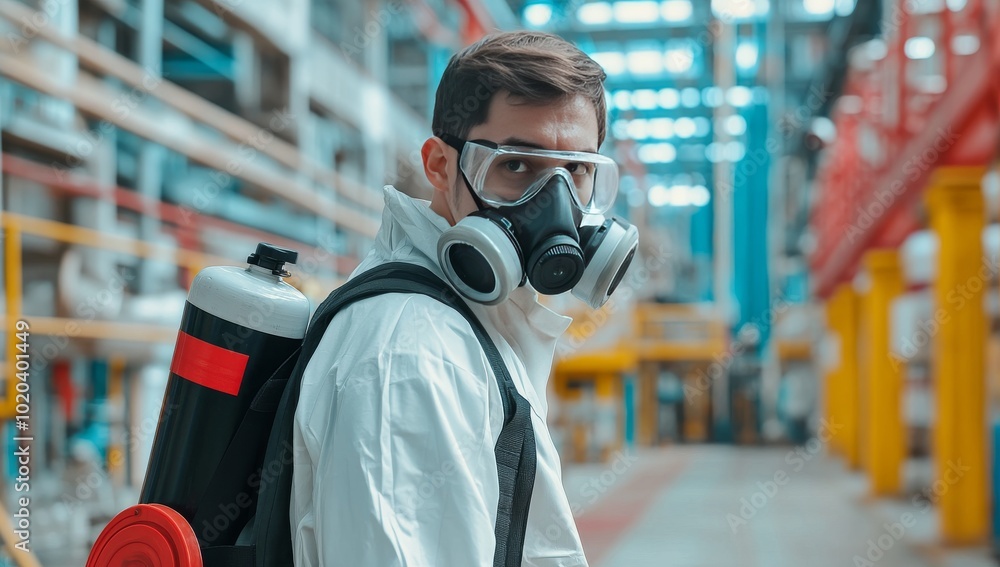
515,449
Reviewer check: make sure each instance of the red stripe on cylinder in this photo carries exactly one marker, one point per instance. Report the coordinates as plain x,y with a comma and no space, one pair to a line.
208,365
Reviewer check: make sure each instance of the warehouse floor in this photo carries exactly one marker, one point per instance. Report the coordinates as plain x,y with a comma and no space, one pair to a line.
712,506
722,506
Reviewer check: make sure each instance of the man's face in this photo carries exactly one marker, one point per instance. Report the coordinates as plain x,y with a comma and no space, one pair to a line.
569,125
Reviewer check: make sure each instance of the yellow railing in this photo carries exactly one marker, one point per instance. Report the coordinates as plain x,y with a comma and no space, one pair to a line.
14,226
82,236
679,332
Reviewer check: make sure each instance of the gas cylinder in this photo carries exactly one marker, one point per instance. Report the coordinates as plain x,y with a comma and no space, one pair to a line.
239,325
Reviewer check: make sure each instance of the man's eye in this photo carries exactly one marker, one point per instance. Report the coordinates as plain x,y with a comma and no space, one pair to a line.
516,166
577,168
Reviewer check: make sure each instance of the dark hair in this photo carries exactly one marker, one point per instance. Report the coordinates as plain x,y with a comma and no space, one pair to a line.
535,67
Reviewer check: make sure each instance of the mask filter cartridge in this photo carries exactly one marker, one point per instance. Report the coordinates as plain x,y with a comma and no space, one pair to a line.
494,250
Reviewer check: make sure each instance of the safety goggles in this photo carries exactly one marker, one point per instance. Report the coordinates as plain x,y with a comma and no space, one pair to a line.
510,175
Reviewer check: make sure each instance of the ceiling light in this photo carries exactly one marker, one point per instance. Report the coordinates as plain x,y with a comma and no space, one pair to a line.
735,125
712,97
646,62
676,10
679,59
613,62
661,128
746,54
700,196
819,7
658,196
636,11
669,98
537,15
690,97
845,7
684,127
657,153
739,96
637,129
730,10
622,100
595,13
679,196
644,99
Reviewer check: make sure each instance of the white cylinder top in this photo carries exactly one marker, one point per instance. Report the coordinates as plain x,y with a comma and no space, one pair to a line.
251,297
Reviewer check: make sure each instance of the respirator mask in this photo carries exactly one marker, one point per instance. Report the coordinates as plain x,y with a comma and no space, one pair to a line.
540,220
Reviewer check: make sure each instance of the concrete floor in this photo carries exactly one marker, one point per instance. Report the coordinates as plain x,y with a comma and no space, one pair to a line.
720,506
724,506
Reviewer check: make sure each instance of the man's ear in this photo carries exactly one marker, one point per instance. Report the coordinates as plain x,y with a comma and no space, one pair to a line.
434,153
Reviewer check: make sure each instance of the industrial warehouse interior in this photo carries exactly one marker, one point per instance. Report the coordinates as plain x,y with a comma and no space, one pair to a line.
800,366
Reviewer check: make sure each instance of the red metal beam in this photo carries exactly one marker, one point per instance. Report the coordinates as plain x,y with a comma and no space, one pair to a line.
909,172
477,20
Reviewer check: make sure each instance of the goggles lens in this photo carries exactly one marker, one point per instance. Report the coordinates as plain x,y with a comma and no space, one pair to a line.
507,175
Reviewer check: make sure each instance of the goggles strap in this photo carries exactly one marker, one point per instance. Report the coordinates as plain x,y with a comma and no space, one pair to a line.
459,145
480,205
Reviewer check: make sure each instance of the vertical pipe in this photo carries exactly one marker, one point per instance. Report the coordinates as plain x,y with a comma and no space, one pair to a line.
864,352
995,482
13,288
149,178
955,203
833,380
375,132
606,389
647,404
116,422
13,284
628,410
722,197
883,418
6,368
850,392
722,173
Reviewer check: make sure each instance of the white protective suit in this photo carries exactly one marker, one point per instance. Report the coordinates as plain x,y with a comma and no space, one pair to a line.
398,417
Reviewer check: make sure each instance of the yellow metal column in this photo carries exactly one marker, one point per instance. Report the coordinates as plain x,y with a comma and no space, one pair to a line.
834,400
647,404
955,203
883,420
844,405
607,387
849,375
116,461
14,284
864,351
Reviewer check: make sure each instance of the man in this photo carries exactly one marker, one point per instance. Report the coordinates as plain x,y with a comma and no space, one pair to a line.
399,412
